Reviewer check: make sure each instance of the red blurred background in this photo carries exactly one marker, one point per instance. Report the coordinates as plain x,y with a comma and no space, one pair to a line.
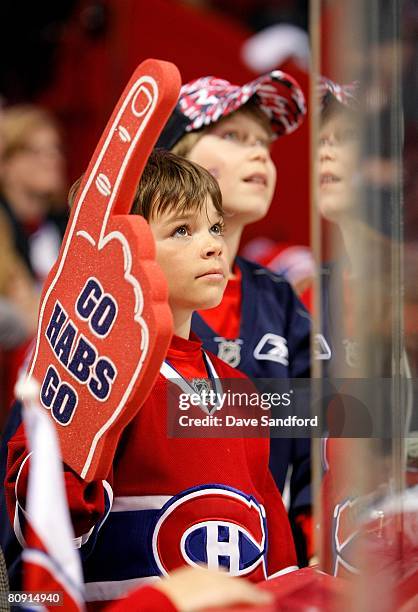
99,45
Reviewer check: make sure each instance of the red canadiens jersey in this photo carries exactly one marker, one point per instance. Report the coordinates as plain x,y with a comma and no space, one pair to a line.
340,517
176,501
377,531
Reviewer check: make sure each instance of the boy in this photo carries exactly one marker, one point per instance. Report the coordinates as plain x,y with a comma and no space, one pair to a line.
260,327
349,522
170,502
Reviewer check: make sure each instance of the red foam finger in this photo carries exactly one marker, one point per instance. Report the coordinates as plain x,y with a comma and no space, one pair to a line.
104,322
110,181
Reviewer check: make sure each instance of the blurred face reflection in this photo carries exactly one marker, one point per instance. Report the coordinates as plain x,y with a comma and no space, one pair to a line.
339,151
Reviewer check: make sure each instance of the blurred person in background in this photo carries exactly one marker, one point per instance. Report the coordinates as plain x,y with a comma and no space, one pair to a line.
18,300
357,302
32,186
339,201
32,223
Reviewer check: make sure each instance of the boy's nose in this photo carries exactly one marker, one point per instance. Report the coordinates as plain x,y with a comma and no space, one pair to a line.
326,151
212,248
259,152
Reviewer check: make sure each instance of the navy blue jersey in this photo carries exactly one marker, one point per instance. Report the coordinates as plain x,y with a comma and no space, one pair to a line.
273,342
274,334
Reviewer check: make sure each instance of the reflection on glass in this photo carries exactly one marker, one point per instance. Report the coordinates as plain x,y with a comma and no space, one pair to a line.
366,195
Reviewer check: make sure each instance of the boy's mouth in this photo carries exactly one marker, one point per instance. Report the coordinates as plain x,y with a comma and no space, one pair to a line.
257,179
213,273
327,178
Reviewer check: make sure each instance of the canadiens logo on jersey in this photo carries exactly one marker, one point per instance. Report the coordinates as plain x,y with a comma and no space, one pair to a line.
231,535
344,533
229,351
272,347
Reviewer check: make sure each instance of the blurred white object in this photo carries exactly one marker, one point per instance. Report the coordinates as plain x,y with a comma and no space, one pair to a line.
44,246
49,552
272,46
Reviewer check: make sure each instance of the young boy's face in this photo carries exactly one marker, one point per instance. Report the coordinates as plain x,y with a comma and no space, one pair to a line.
191,253
339,156
236,150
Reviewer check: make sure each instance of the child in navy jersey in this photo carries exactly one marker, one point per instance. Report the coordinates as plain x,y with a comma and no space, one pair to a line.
260,327
171,501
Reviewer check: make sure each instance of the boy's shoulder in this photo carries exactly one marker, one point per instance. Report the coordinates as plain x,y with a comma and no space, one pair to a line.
257,274
266,284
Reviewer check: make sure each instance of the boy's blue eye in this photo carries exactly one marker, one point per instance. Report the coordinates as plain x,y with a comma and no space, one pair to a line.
231,135
347,135
263,142
217,229
181,231
340,137
246,139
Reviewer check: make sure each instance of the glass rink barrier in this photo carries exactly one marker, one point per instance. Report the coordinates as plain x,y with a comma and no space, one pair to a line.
364,105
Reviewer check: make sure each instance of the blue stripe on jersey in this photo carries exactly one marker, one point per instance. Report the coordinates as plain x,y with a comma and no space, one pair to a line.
124,548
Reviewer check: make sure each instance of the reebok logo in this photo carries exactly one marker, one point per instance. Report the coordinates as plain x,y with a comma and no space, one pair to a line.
272,348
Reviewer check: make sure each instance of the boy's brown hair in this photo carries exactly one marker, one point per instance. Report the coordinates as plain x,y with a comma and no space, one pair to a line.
170,182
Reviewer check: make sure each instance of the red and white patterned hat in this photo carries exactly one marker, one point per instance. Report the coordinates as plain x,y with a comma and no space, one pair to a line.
345,94
206,100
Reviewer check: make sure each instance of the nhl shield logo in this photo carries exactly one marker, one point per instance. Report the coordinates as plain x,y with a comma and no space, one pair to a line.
352,357
203,388
229,351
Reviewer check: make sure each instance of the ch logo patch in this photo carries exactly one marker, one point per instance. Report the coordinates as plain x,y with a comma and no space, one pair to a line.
344,532
272,348
229,351
215,526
